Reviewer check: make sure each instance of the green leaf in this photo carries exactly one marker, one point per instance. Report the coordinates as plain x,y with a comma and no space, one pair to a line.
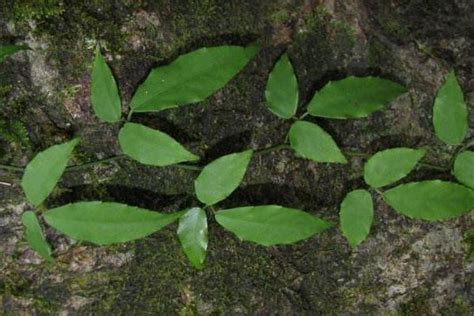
271,224
450,112
34,235
191,77
391,165
356,216
192,233
282,89
430,200
354,97
152,147
106,223
43,172
221,177
105,97
312,142
464,168
7,50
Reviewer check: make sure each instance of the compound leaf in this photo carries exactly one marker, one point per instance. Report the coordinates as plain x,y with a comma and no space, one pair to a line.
43,172
356,216
391,165
430,200
34,235
282,89
354,97
191,77
105,223
312,142
105,97
7,50
152,147
221,177
464,168
450,112
270,224
192,233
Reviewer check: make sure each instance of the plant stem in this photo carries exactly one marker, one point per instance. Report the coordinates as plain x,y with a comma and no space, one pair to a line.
187,167
271,149
356,154
12,168
430,166
92,163
129,116
305,114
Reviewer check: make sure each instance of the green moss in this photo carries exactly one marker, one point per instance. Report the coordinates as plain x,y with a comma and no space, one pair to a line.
325,35
392,26
418,304
280,16
469,242
35,9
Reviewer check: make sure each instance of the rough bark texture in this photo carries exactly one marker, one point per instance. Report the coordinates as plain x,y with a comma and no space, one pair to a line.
406,266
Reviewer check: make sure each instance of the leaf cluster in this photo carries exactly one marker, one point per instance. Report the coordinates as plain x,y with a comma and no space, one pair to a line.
195,76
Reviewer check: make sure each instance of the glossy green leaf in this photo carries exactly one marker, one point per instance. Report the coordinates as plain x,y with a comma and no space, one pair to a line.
354,97
106,223
191,77
391,165
152,147
105,97
7,50
271,224
34,235
464,168
430,200
192,233
356,216
282,89
221,177
312,142
43,172
450,112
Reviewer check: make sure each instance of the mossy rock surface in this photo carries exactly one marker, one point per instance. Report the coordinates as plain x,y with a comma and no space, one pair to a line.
405,267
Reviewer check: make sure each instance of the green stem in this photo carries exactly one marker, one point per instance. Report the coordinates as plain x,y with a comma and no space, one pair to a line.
305,114
12,168
271,149
430,166
187,167
93,163
129,116
460,150
356,154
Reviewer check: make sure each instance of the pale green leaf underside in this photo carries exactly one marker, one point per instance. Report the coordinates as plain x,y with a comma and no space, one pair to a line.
191,77
311,142
450,112
152,147
34,235
192,233
105,97
354,97
7,50
221,177
282,89
430,200
464,168
106,223
391,165
270,224
356,216
43,172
